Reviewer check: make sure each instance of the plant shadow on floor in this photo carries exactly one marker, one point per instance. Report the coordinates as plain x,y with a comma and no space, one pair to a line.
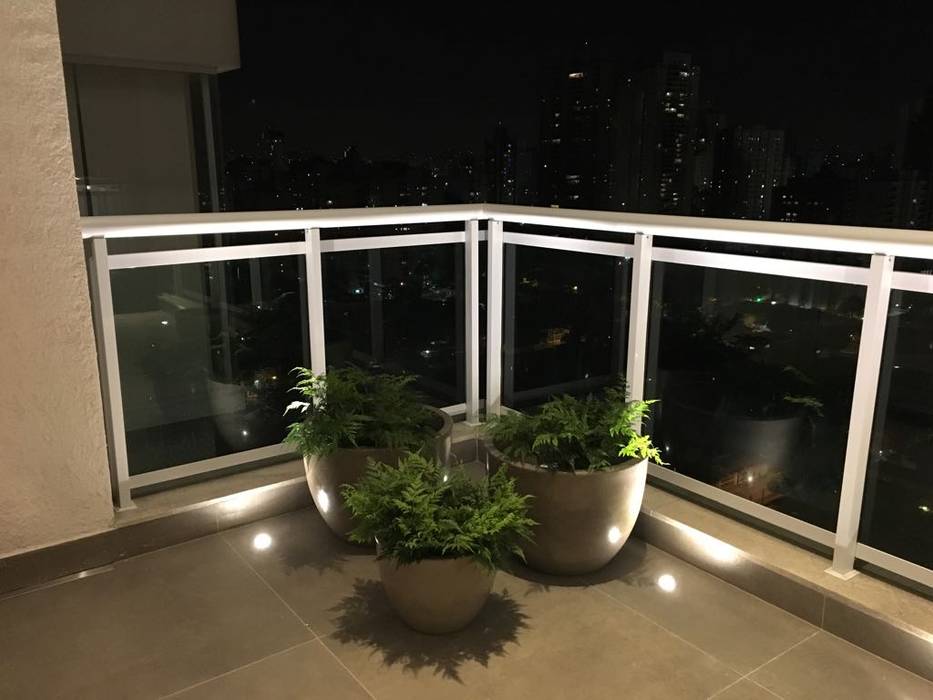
366,619
627,567
312,545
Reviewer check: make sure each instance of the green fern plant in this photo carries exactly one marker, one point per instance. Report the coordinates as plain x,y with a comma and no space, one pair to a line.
417,510
575,434
349,407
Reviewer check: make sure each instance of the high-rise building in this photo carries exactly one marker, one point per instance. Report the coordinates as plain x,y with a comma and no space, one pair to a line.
658,122
577,136
707,150
911,204
526,174
501,159
915,136
752,165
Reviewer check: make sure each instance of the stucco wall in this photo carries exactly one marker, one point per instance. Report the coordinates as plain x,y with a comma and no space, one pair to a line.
54,481
198,36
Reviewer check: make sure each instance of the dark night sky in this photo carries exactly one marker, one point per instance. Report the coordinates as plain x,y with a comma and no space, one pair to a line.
415,78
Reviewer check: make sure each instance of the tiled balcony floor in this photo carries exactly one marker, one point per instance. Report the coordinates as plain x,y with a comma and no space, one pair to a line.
306,618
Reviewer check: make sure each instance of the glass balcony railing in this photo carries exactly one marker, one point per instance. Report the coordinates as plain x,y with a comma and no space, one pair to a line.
793,363
755,375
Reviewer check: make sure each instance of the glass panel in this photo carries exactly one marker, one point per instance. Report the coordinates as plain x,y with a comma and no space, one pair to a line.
399,309
920,265
117,246
897,510
755,374
765,251
204,352
389,230
578,233
565,318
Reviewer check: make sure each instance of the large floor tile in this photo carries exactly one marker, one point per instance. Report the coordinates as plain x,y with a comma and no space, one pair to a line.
827,667
721,559
305,671
305,563
530,642
152,625
745,690
739,629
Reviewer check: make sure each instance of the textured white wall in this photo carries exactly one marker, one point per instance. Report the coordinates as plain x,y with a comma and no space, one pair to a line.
54,481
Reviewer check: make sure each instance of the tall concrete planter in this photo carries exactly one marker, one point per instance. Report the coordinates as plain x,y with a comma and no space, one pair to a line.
326,475
437,596
583,517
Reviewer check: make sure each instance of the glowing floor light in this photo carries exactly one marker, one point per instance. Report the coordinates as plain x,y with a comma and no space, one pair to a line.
262,541
667,583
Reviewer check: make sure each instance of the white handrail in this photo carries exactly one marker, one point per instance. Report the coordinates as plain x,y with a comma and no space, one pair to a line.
148,225
848,239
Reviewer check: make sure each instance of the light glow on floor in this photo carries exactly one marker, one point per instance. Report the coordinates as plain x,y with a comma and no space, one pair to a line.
262,541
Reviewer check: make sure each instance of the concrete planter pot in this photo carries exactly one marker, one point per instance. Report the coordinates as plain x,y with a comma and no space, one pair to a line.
326,475
583,518
437,596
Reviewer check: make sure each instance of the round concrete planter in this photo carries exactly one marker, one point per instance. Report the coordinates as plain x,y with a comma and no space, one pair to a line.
583,518
436,596
326,475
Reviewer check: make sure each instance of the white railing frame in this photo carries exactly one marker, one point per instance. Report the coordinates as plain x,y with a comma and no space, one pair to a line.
471,319
645,229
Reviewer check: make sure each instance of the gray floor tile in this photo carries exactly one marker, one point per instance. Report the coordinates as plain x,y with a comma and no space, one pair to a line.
306,564
730,564
745,690
739,629
827,667
196,618
152,625
306,671
530,642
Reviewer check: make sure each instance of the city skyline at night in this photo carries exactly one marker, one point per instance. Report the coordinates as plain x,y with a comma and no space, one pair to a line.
400,109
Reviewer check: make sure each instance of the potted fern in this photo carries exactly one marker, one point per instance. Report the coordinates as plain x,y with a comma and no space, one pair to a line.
440,536
349,417
585,465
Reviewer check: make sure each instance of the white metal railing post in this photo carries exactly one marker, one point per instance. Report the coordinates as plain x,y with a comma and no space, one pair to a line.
109,367
639,312
494,246
313,279
867,372
471,316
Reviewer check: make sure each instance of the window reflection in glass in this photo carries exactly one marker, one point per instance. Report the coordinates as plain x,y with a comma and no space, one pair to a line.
755,376
204,352
399,310
897,508
565,322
